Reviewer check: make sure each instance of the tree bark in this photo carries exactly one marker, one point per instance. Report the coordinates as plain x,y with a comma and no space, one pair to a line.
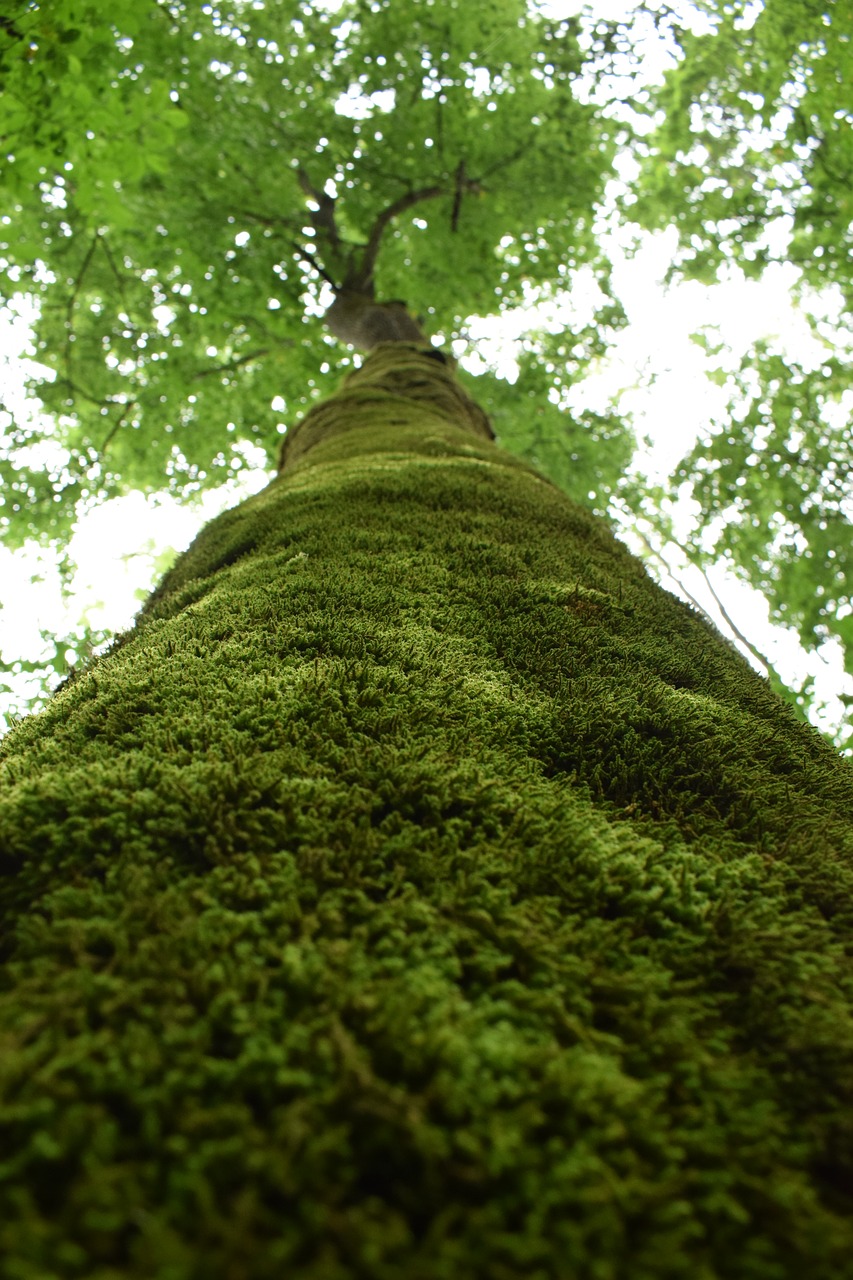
362,322
418,890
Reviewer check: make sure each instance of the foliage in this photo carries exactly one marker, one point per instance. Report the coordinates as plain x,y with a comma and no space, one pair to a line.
582,451
754,136
173,250
780,485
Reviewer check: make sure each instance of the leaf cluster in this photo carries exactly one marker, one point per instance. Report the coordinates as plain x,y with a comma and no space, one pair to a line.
776,493
754,132
750,158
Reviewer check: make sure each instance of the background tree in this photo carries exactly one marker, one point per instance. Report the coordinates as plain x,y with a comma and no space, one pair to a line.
752,159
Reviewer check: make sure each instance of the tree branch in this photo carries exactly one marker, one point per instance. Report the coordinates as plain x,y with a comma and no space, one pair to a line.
72,302
759,657
504,164
101,401
457,198
362,259
231,365
656,555
115,427
118,277
274,220
361,280
11,30
323,217
312,261
270,219
460,184
735,630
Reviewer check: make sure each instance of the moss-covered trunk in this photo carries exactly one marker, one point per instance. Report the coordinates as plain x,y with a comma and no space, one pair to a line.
420,892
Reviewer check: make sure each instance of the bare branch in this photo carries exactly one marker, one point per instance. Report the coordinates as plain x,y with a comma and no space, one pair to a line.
231,365
735,630
115,427
759,657
102,402
276,220
457,198
653,551
504,164
72,301
11,30
270,219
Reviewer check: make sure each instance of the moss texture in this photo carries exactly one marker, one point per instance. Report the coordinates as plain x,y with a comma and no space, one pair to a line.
420,893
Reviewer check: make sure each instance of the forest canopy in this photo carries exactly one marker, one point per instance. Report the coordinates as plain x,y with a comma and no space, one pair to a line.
187,184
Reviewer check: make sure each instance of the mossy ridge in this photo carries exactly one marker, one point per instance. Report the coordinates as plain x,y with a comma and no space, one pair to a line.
402,386
419,892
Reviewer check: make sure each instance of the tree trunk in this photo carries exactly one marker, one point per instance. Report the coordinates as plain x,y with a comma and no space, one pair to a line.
362,322
419,891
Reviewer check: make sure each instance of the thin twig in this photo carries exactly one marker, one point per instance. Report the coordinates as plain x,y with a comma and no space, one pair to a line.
231,365
270,219
115,427
656,555
312,261
101,401
72,301
119,279
735,629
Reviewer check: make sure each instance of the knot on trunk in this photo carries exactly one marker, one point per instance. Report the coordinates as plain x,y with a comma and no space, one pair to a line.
358,319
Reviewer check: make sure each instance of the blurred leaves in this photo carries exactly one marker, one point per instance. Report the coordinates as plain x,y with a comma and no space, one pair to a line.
583,451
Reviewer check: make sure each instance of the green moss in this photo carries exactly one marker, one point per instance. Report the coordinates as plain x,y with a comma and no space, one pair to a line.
418,891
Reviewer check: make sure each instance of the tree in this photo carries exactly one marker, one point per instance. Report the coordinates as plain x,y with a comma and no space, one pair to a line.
420,890
179,268
416,890
763,92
